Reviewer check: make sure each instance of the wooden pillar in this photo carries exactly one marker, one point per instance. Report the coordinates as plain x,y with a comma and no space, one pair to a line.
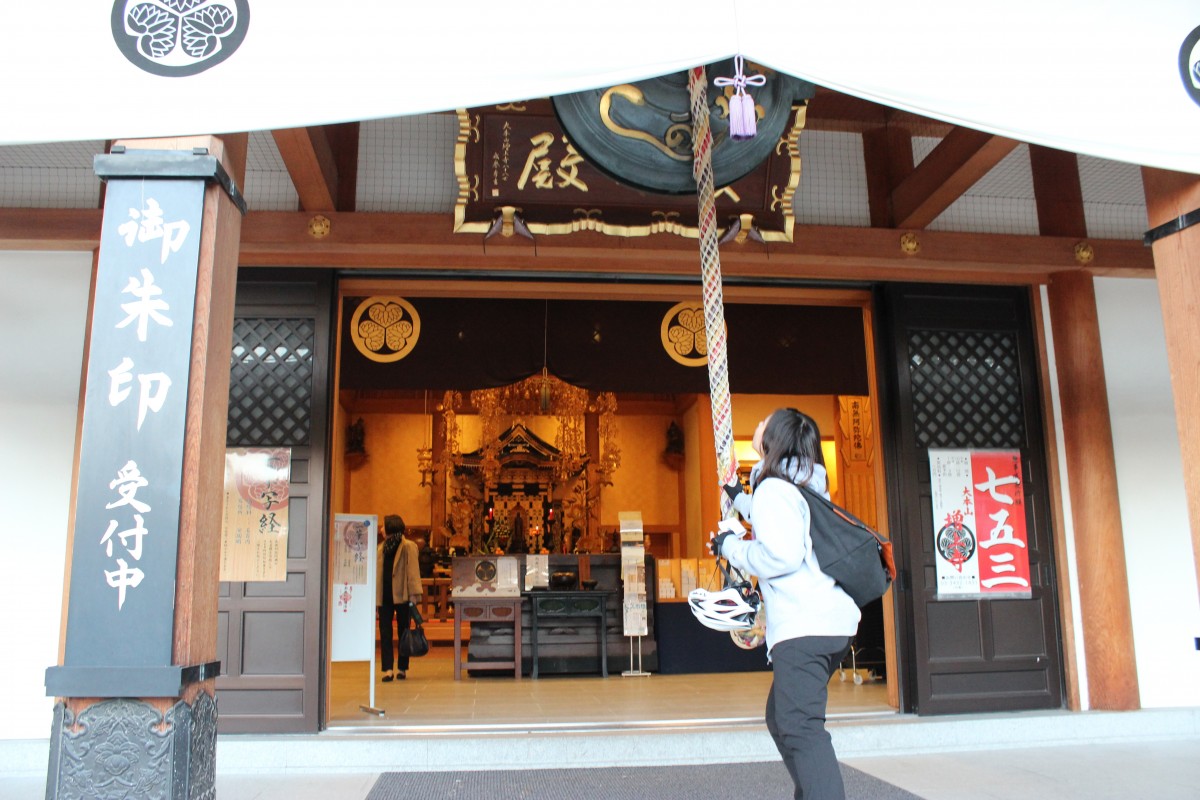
1100,547
147,504
1170,195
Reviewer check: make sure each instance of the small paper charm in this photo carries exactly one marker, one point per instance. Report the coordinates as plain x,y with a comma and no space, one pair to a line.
743,120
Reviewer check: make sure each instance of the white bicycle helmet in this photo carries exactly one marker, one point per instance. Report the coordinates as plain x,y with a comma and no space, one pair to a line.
733,608
725,610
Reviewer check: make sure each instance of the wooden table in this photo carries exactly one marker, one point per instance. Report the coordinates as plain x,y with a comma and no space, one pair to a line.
587,603
488,609
435,592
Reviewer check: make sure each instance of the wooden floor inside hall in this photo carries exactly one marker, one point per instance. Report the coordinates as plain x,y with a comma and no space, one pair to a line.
430,696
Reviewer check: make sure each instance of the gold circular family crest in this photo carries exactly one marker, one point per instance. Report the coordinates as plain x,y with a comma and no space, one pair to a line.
385,329
683,334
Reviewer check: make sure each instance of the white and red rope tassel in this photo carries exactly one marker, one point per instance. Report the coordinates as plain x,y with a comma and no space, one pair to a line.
743,117
714,307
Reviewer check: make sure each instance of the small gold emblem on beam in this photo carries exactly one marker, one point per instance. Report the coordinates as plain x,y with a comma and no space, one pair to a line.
319,226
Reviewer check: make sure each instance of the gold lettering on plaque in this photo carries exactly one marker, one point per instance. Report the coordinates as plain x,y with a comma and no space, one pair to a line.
542,179
537,166
568,168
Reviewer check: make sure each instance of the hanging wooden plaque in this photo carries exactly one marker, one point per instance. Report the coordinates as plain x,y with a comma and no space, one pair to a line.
519,172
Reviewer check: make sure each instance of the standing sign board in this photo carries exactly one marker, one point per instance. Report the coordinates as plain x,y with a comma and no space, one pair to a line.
633,574
122,596
352,583
980,534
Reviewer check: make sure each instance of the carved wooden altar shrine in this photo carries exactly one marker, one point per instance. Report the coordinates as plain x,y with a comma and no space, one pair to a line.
518,492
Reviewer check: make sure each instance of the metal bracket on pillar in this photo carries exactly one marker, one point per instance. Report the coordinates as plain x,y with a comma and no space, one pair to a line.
168,164
1176,225
114,681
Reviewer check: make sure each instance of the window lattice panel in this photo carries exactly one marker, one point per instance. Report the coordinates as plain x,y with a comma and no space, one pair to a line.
270,382
966,389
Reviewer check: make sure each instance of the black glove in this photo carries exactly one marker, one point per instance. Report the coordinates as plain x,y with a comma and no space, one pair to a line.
734,490
714,544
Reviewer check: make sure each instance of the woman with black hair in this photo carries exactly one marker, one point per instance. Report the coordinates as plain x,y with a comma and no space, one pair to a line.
810,620
397,581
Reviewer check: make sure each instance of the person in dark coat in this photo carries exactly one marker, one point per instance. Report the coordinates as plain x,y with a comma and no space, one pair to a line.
398,580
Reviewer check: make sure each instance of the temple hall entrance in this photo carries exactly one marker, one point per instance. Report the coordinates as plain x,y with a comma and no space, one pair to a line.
528,435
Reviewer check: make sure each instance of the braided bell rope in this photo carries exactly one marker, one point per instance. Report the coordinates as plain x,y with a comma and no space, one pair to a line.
714,304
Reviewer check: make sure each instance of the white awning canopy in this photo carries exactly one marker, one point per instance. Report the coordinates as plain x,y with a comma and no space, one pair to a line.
1099,77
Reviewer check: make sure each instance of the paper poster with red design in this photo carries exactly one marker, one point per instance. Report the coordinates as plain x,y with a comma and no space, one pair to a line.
354,545
980,535
254,527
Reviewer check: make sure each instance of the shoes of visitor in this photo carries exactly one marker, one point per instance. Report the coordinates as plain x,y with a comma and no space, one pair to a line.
399,674
387,676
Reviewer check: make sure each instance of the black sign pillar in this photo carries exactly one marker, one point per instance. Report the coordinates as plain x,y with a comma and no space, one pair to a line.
136,714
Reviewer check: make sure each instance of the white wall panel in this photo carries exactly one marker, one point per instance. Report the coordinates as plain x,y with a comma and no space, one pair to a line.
42,314
1158,548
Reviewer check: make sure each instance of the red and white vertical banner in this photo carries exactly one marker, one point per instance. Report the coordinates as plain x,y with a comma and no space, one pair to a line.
979,529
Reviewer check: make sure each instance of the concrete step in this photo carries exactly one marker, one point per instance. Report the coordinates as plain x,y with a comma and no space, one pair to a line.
450,747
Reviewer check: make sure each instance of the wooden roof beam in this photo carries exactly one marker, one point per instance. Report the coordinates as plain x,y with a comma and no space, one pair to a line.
833,111
70,229
426,241
888,156
961,159
1057,192
316,160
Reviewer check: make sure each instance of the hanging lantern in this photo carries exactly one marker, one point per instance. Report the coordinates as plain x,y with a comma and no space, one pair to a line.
425,464
545,393
425,452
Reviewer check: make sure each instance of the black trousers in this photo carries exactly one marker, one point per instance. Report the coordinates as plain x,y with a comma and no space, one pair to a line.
796,713
387,645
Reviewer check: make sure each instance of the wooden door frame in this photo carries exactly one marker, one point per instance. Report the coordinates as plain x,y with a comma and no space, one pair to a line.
311,682
1043,417
762,291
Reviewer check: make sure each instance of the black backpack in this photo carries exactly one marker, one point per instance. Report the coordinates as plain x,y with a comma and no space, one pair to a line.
858,558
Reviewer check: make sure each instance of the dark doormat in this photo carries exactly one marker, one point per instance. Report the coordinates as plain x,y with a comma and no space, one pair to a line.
761,781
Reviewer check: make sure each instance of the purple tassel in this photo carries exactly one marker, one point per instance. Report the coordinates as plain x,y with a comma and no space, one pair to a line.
743,118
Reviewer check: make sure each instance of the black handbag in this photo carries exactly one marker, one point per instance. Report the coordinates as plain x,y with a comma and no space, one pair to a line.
413,642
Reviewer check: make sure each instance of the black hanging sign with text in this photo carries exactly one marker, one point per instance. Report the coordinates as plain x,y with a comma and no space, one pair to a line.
122,597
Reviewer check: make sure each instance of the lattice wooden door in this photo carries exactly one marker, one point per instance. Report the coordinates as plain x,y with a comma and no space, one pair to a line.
963,374
269,633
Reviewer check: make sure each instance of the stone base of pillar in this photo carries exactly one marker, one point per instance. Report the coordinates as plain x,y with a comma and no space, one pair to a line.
126,748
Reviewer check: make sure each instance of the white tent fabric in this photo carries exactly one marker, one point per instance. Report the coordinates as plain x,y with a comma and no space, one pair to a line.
1100,77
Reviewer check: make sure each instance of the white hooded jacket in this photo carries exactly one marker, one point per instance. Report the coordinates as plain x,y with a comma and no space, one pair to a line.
800,599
